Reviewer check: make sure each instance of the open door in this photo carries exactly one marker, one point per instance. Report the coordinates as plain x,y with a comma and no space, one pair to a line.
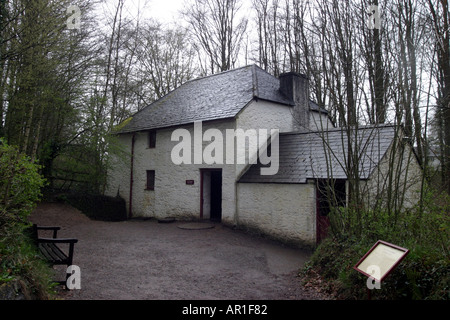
335,189
211,194
322,211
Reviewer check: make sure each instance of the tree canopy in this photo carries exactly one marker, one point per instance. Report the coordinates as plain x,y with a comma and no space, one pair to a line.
70,74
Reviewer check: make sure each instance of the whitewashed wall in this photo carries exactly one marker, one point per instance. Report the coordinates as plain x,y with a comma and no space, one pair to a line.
172,197
283,211
406,173
263,115
319,121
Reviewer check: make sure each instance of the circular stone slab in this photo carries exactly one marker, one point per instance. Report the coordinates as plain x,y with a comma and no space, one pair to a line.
196,226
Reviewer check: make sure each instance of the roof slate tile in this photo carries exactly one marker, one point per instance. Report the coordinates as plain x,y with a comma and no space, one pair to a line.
322,155
219,96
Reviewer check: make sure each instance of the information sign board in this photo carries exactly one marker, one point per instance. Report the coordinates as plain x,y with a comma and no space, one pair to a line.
380,260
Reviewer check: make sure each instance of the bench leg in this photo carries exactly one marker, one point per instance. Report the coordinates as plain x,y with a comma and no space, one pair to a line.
69,263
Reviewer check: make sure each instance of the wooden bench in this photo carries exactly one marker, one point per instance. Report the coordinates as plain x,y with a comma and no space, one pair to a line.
50,247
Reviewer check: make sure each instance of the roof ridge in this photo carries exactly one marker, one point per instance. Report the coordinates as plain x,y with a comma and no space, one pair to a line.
190,81
197,99
363,127
218,74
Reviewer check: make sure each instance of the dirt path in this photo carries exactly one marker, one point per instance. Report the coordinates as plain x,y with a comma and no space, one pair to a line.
147,260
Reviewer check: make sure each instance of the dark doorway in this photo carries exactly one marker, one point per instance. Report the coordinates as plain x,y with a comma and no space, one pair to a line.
330,193
211,194
216,196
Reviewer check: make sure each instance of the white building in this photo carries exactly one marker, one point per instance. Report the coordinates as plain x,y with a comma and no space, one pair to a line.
184,155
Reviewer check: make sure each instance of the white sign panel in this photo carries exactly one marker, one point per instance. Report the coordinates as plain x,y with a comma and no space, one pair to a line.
380,260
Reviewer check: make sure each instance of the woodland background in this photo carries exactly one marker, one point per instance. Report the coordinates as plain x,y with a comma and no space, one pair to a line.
71,76
63,90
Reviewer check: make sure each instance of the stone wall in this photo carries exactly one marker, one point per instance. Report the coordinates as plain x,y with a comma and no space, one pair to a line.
400,169
15,290
171,197
286,212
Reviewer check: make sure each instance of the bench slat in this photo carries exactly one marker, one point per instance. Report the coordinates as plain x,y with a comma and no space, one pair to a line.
53,253
45,253
58,252
50,250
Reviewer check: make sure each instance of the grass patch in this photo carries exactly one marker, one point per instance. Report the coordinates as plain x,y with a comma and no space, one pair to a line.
422,275
419,276
20,262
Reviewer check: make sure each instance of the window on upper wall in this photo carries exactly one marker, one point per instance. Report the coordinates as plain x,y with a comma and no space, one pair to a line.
151,139
150,180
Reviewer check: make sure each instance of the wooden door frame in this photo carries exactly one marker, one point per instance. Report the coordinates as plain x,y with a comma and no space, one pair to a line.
203,170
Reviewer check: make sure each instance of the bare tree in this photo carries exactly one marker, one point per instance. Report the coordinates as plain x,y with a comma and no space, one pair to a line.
218,31
165,58
269,42
372,48
439,16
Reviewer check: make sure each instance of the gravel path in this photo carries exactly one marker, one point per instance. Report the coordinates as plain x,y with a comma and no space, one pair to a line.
147,260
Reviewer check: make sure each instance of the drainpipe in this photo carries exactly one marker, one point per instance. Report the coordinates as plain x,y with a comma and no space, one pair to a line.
201,193
130,208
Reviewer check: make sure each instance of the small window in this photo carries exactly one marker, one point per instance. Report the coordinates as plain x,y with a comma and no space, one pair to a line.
150,180
151,139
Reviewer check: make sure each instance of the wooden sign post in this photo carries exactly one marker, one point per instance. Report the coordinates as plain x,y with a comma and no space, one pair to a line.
380,261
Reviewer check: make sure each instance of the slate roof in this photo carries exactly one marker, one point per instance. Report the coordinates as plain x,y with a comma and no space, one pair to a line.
321,155
219,96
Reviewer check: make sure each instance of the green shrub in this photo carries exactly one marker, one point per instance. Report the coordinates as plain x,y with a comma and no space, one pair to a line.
424,230
418,277
20,189
20,261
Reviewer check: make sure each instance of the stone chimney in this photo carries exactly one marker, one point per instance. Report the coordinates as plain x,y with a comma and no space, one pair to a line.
295,86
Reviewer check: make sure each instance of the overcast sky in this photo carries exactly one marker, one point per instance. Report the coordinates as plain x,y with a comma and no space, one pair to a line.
165,11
